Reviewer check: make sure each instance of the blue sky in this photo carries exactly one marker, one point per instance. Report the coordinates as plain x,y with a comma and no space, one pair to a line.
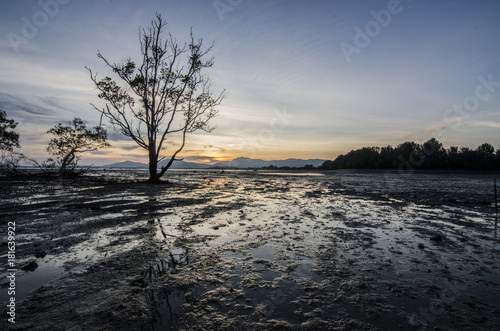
306,79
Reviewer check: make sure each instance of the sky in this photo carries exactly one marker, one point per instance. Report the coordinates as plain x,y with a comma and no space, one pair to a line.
303,79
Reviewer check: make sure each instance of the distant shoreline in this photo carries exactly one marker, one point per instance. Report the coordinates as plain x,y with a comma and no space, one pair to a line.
301,170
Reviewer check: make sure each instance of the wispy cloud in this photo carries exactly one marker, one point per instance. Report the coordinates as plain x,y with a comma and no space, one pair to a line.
129,148
487,124
17,107
455,123
53,101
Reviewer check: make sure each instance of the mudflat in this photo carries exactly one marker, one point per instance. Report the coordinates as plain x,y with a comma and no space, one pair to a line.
247,250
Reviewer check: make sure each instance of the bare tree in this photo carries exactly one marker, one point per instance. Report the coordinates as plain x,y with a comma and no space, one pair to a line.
166,94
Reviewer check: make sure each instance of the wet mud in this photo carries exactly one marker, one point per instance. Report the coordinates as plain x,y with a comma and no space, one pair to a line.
254,250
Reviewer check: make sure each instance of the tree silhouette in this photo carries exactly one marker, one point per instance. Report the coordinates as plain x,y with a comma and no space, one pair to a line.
166,94
8,138
73,139
429,155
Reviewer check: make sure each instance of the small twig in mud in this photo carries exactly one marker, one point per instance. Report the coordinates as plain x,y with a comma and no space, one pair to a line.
163,231
496,202
174,262
167,234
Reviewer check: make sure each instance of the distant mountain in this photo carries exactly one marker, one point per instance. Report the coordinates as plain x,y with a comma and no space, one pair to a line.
297,163
185,165
126,164
239,163
175,165
243,163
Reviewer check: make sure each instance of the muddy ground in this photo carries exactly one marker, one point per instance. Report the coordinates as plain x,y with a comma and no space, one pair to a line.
253,250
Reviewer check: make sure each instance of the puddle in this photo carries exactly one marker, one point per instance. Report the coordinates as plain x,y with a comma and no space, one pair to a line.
263,252
75,261
47,271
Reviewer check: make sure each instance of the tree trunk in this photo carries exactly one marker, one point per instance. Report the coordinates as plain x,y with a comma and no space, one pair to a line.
66,160
62,170
153,165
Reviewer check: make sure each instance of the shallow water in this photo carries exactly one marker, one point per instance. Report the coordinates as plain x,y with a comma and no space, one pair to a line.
284,231
247,250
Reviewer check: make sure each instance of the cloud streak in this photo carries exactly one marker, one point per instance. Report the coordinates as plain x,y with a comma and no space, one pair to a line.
20,108
487,124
